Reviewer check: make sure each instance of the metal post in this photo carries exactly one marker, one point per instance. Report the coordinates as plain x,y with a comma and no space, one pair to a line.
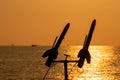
65,65
65,70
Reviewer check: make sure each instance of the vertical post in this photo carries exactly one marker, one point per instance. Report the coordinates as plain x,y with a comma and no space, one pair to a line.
65,67
65,70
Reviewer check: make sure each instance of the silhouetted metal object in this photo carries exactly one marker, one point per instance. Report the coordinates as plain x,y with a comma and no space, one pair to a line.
84,53
66,65
53,52
54,42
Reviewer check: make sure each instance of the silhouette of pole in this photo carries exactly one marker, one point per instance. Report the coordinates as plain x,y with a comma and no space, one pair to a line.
65,65
65,68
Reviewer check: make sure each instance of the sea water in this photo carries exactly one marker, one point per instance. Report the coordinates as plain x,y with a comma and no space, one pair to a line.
26,63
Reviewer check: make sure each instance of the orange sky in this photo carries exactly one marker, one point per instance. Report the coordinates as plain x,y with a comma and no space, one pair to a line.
26,22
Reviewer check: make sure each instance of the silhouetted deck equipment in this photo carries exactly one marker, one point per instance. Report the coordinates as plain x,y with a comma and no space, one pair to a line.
65,62
53,52
83,53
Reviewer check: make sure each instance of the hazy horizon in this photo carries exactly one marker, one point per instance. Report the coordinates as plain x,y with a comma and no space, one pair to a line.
35,45
27,22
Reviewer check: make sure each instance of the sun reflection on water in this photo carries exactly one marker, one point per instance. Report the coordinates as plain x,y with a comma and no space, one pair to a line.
102,67
19,63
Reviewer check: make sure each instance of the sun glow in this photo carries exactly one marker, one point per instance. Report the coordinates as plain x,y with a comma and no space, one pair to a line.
100,59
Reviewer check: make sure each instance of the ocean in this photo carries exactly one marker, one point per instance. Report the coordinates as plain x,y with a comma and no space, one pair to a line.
27,63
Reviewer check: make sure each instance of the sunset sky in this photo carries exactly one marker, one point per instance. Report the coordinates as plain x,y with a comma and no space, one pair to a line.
26,22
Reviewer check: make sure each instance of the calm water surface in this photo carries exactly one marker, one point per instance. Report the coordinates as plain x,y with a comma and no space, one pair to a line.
26,63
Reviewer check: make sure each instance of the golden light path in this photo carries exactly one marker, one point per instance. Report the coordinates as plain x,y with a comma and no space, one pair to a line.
101,67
